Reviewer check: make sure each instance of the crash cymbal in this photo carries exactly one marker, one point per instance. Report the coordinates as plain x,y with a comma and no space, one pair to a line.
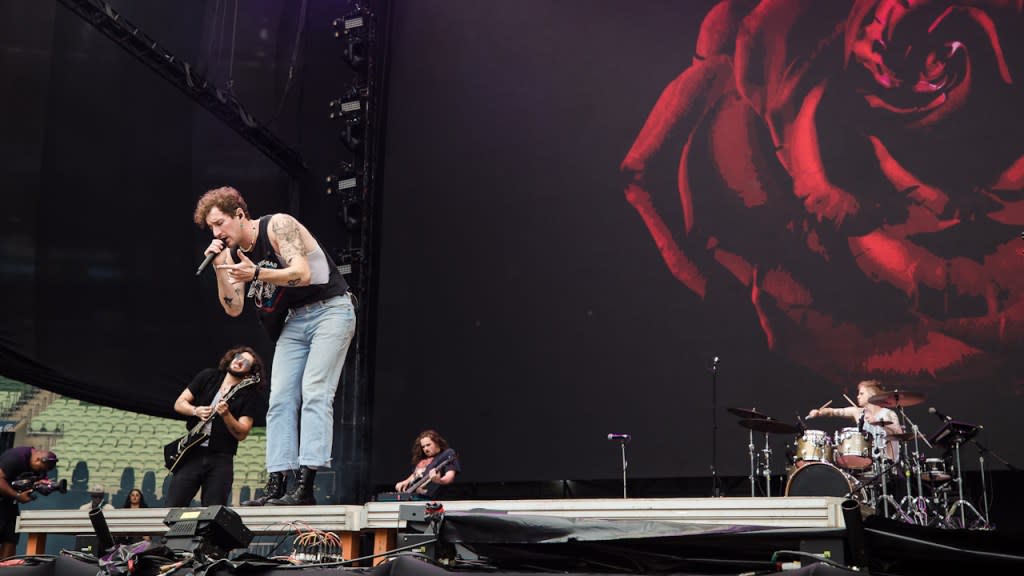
747,413
769,425
897,398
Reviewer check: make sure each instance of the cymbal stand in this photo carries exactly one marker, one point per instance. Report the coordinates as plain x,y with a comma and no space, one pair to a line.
753,473
878,461
961,504
919,504
767,451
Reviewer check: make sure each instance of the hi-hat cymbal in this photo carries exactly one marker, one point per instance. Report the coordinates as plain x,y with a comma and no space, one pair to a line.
768,425
747,413
897,398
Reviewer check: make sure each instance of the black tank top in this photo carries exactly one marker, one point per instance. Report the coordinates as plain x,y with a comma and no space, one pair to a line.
269,297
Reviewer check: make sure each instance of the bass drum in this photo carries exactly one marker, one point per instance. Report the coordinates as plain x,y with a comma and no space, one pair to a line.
821,479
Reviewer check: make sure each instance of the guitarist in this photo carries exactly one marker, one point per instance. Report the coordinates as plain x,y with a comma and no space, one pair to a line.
210,465
430,459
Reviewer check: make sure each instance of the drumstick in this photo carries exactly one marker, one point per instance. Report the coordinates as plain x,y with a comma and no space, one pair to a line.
825,405
852,403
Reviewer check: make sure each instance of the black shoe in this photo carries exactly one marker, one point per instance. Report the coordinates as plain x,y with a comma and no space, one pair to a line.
302,493
277,482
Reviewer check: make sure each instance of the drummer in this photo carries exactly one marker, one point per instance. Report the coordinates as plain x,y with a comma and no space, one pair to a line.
870,412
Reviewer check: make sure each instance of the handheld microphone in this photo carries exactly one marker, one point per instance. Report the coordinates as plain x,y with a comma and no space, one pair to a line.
942,416
209,258
206,262
619,437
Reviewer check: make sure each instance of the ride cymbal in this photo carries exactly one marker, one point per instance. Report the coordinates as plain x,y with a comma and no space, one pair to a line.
897,398
768,425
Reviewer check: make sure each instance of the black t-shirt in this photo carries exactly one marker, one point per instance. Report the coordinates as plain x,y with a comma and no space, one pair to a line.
15,462
204,387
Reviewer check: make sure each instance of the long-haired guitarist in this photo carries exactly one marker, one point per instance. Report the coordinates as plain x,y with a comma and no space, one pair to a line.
209,463
434,465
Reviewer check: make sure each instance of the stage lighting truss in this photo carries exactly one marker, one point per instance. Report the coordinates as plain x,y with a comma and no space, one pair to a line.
353,29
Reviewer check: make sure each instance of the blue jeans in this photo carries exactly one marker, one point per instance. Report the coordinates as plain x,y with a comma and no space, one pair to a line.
308,360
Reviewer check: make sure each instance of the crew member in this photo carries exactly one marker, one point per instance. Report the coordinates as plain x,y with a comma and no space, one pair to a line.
17,463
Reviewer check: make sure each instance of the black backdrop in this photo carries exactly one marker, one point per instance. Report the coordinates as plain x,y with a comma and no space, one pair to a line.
525,311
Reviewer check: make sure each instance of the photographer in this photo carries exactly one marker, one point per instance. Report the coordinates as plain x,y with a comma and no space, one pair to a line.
14,464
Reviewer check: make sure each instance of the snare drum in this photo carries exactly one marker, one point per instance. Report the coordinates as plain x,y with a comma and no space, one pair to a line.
934,471
853,449
813,446
822,479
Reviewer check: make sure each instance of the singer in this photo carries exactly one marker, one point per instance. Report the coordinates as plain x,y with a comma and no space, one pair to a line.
15,462
869,412
305,306
211,464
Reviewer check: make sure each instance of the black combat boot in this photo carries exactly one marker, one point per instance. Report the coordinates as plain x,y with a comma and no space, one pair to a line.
302,492
277,482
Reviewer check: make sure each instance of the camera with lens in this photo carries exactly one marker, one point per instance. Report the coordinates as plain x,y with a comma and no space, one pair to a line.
40,484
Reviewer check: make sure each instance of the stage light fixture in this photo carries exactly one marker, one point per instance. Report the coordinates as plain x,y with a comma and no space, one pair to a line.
344,181
212,531
350,110
352,28
353,102
347,258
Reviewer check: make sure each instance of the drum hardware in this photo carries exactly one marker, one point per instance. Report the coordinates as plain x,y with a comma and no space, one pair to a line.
952,434
750,414
918,505
767,425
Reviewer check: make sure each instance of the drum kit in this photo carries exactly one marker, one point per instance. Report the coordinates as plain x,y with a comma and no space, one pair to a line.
885,471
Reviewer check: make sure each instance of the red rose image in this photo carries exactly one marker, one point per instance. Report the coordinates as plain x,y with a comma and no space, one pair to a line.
853,172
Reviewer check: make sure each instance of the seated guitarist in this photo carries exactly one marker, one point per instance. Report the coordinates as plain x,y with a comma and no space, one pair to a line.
210,464
431,459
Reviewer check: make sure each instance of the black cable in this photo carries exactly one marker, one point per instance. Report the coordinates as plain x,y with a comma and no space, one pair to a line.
947,547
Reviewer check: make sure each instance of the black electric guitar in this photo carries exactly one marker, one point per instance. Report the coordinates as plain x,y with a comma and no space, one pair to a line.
422,481
176,450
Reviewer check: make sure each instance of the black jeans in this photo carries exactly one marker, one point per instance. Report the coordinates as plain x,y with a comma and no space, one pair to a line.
212,471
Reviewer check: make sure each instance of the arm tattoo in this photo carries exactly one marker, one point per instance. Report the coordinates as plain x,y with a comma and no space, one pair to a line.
289,237
228,300
293,282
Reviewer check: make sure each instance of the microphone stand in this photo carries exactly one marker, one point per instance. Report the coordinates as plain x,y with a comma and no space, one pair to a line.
622,444
716,489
